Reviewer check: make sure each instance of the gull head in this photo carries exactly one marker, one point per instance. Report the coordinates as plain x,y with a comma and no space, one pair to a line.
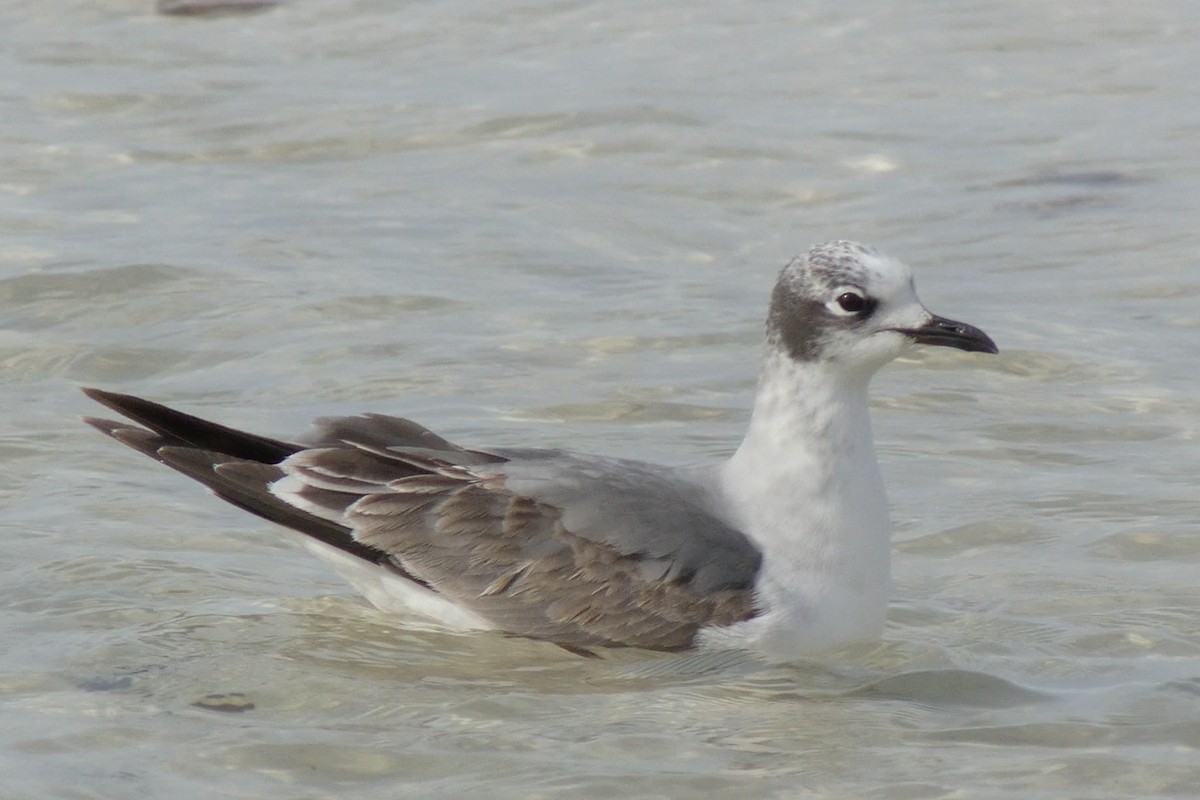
848,306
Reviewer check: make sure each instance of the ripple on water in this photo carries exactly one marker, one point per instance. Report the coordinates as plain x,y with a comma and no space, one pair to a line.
53,296
951,687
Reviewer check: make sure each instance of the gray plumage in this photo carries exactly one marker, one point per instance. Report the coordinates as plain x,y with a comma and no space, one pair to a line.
577,550
783,547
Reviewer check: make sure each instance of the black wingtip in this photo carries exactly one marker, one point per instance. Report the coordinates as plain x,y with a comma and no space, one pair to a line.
180,428
113,400
105,426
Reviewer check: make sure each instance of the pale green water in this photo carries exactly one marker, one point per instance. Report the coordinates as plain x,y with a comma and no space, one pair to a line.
556,224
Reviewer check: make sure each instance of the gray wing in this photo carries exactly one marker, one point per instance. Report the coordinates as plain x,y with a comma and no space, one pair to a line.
576,550
652,512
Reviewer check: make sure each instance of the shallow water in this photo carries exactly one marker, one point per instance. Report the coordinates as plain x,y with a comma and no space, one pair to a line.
556,224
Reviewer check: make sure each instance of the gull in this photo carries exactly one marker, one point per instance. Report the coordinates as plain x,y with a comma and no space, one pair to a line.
782,549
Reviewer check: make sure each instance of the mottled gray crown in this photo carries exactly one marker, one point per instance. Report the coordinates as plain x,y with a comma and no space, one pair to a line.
799,321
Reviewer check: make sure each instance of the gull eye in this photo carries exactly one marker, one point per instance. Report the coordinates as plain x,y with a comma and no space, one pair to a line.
851,302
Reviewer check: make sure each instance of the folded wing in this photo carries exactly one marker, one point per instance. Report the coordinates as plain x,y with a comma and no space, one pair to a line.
576,550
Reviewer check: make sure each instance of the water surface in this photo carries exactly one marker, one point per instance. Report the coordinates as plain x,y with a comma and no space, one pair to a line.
556,224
